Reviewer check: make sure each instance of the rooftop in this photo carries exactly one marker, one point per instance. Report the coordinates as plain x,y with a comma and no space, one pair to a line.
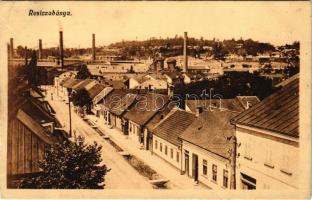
95,90
126,101
146,107
278,113
171,127
211,130
160,115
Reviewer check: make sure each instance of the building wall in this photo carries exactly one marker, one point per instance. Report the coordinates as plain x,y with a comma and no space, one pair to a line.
134,131
133,83
212,159
154,84
272,162
158,142
112,119
118,123
24,149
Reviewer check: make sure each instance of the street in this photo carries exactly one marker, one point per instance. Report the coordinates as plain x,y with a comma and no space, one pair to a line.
121,175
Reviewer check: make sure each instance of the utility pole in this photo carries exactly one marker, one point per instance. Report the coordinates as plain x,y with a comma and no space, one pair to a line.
69,90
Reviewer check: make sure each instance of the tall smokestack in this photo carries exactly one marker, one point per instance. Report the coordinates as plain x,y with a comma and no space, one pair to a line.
26,58
8,51
61,49
11,48
40,49
185,53
93,47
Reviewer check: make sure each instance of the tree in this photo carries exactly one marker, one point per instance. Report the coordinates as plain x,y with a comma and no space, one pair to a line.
218,51
32,70
81,98
83,72
69,165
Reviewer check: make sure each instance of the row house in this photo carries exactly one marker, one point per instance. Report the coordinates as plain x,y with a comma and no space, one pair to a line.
62,77
74,85
97,94
150,125
208,149
84,84
138,116
119,109
66,84
268,141
111,101
166,142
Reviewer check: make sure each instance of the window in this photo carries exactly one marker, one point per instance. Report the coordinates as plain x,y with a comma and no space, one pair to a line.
286,166
205,167
171,153
178,156
214,172
225,178
266,186
160,147
268,157
130,127
166,150
156,144
247,148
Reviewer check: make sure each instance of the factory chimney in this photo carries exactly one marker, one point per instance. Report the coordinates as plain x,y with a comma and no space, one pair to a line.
8,51
11,48
185,53
26,58
40,49
61,49
93,47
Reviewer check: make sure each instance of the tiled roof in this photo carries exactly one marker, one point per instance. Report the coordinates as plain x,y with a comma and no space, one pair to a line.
278,112
285,82
113,98
95,90
248,101
228,104
83,84
102,94
146,107
171,127
70,83
210,131
126,101
160,115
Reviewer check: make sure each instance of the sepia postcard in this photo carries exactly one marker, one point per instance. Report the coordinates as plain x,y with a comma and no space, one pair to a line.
160,99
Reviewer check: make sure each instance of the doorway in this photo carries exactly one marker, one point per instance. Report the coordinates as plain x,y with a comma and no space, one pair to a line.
186,161
195,167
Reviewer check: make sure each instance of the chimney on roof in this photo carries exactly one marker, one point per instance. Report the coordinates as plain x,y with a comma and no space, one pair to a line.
93,47
185,53
248,105
11,48
40,49
198,111
61,49
8,50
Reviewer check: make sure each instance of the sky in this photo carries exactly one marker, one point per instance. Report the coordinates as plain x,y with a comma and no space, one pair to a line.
274,22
